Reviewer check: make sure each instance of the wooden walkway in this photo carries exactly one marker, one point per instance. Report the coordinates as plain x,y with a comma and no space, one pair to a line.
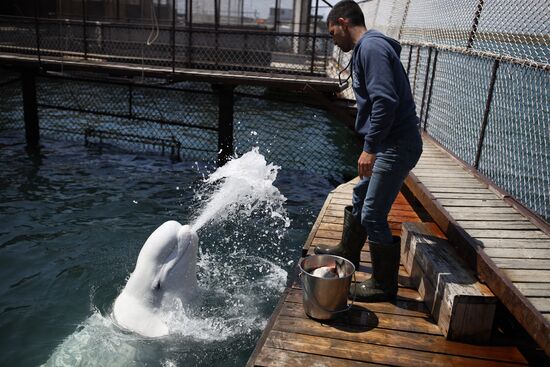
397,334
509,250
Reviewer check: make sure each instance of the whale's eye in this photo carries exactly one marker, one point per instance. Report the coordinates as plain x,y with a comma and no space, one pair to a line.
157,286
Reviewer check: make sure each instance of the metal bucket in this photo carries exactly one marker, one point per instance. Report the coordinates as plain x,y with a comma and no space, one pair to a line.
325,298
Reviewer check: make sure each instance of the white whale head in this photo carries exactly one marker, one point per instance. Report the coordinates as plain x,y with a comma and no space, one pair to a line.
165,270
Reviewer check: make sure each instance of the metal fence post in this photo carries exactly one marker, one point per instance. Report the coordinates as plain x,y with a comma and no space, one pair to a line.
314,35
496,64
431,89
225,121
84,35
473,31
30,109
37,28
190,33
173,36
426,81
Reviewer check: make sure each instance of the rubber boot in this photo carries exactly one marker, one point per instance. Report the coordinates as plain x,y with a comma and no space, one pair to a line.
382,285
353,239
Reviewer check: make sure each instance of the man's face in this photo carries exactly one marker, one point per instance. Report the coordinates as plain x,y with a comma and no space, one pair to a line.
340,34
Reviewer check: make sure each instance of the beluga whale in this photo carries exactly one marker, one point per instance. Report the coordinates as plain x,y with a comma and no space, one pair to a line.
165,272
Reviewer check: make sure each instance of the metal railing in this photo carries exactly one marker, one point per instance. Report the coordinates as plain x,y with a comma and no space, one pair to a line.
173,46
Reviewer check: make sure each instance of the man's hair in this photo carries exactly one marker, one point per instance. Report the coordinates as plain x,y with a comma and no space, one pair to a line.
347,9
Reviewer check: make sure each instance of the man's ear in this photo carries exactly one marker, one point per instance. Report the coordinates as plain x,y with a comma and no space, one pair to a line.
342,22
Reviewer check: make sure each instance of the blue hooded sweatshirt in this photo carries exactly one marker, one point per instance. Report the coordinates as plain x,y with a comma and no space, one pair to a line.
385,106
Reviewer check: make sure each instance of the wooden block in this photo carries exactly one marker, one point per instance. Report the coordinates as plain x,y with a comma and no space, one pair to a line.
463,307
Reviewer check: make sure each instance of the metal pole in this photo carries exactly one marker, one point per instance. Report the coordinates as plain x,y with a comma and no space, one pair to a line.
416,70
426,82
37,28
486,113
173,36
431,89
216,25
225,122
30,109
314,35
410,58
276,16
404,20
475,24
190,34
84,29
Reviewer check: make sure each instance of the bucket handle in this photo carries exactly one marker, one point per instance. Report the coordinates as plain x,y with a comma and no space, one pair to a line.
346,309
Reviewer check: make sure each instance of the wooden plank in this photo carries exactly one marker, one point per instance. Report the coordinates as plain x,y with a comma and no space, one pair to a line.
473,203
515,243
507,263
525,275
363,317
504,224
467,215
479,210
501,233
371,353
463,308
541,303
518,253
399,339
287,358
471,195
534,289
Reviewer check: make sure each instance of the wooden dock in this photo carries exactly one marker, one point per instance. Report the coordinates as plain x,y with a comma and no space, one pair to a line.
508,248
404,333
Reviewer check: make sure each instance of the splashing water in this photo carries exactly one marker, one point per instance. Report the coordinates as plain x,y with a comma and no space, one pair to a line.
245,185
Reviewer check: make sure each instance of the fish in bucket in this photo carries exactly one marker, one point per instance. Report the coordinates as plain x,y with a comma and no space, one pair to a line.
326,281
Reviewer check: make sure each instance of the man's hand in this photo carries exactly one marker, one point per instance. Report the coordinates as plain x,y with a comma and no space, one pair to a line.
365,164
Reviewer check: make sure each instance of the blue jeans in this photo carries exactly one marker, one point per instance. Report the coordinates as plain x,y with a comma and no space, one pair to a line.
373,196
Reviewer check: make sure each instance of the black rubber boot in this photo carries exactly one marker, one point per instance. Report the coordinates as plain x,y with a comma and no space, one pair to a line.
353,239
382,285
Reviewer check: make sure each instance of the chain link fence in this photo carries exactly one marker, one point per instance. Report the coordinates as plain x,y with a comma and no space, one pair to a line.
172,46
480,74
181,120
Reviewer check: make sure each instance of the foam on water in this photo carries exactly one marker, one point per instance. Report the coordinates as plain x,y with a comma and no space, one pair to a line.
245,184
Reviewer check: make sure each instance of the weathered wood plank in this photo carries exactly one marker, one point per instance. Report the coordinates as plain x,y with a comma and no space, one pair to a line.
274,357
525,275
467,215
518,253
463,308
515,243
507,263
373,353
428,343
473,203
505,224
479,210
472,195
362,317
534,289
541,303
500,233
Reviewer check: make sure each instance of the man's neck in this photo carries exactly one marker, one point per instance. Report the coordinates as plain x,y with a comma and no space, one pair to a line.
356,33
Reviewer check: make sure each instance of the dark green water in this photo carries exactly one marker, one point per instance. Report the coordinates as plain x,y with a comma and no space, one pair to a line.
72,223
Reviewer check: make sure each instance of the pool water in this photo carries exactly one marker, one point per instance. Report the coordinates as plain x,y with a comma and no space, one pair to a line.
74,219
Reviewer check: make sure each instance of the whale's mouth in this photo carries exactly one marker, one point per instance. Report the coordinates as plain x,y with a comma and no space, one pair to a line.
173,258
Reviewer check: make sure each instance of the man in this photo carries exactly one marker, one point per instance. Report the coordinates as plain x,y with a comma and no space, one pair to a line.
386,118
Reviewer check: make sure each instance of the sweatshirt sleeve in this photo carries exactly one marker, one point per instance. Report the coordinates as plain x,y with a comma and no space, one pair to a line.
381,88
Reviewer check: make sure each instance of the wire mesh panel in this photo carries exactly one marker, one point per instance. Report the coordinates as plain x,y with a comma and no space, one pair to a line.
516,150
457,104
515,28
439,21
297,136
